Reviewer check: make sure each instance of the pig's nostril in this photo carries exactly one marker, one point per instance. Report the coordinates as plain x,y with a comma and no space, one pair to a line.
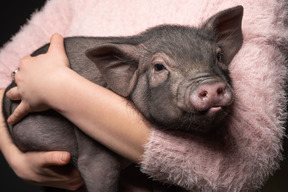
203,94
220,91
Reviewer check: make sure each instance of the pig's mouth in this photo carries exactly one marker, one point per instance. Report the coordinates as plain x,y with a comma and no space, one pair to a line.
204,120
211,112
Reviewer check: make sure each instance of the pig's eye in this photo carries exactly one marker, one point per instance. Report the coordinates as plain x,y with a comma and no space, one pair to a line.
220,57
158,67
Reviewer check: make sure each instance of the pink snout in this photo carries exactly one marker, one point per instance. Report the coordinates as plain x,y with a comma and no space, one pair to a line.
211,96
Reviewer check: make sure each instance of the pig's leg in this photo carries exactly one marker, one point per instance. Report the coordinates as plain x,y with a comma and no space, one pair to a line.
98,166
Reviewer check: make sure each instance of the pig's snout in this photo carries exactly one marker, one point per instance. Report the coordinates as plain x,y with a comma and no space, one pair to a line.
211,96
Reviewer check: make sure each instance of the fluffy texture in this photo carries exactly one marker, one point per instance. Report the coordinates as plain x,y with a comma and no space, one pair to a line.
245,151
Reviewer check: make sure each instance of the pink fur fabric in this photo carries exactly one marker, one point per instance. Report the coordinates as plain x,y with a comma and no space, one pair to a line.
246,150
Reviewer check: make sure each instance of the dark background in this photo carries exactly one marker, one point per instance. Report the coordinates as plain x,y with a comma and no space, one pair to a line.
13,15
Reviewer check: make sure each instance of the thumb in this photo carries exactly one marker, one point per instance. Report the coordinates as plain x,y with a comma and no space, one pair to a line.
57,48
54,158
56,44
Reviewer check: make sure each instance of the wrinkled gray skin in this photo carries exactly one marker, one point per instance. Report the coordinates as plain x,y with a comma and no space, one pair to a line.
168,72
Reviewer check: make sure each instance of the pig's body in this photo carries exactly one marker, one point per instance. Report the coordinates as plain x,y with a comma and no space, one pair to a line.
176,76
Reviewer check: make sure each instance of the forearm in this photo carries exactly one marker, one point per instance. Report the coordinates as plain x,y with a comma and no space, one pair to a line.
5,142
7,147
103,115
4,137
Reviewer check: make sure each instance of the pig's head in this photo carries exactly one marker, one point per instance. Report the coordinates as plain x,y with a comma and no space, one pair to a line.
177,76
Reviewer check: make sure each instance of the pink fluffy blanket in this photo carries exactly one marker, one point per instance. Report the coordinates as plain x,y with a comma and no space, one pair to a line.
259,71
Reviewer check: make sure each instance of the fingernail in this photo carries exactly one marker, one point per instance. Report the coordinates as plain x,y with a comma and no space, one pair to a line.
65,157
9,120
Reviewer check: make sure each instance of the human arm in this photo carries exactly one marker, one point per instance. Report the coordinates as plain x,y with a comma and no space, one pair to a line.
95,121
38,168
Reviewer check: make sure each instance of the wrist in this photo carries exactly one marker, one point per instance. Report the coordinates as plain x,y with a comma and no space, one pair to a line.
64,85
57,87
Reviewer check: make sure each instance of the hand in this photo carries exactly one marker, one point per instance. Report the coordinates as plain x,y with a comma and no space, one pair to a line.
40,168
49,169
36,77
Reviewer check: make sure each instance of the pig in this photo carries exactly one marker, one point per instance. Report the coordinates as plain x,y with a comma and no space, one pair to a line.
176,76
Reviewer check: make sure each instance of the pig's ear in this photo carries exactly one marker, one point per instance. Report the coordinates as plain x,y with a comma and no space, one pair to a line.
118,65
227,28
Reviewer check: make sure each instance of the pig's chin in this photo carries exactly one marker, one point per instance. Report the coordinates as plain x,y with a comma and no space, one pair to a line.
191,121
203,121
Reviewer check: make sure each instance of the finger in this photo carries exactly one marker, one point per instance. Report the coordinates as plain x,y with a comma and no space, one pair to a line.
13,94
55,158
57,161
57,48
56,44
21,110
24,61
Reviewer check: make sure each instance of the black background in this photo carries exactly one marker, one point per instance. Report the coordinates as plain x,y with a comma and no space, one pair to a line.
13,15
